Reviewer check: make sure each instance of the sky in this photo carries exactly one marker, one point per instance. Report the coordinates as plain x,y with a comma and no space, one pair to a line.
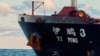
12,36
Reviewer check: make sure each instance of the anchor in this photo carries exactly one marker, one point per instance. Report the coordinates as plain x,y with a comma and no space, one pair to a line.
34,42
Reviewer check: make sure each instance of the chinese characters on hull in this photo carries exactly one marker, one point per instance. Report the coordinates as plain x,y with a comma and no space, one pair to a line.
69,32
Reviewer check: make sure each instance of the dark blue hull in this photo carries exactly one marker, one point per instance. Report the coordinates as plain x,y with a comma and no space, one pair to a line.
84,37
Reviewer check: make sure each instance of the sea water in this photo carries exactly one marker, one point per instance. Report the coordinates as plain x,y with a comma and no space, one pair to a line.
17,52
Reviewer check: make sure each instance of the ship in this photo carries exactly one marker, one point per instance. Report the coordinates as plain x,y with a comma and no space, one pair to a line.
71,32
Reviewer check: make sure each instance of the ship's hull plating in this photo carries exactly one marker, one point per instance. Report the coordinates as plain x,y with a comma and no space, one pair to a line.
65,39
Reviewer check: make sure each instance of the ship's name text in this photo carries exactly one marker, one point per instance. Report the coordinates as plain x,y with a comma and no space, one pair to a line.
70,33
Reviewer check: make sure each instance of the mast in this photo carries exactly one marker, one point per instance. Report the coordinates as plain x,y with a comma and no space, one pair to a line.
74,3
32,8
